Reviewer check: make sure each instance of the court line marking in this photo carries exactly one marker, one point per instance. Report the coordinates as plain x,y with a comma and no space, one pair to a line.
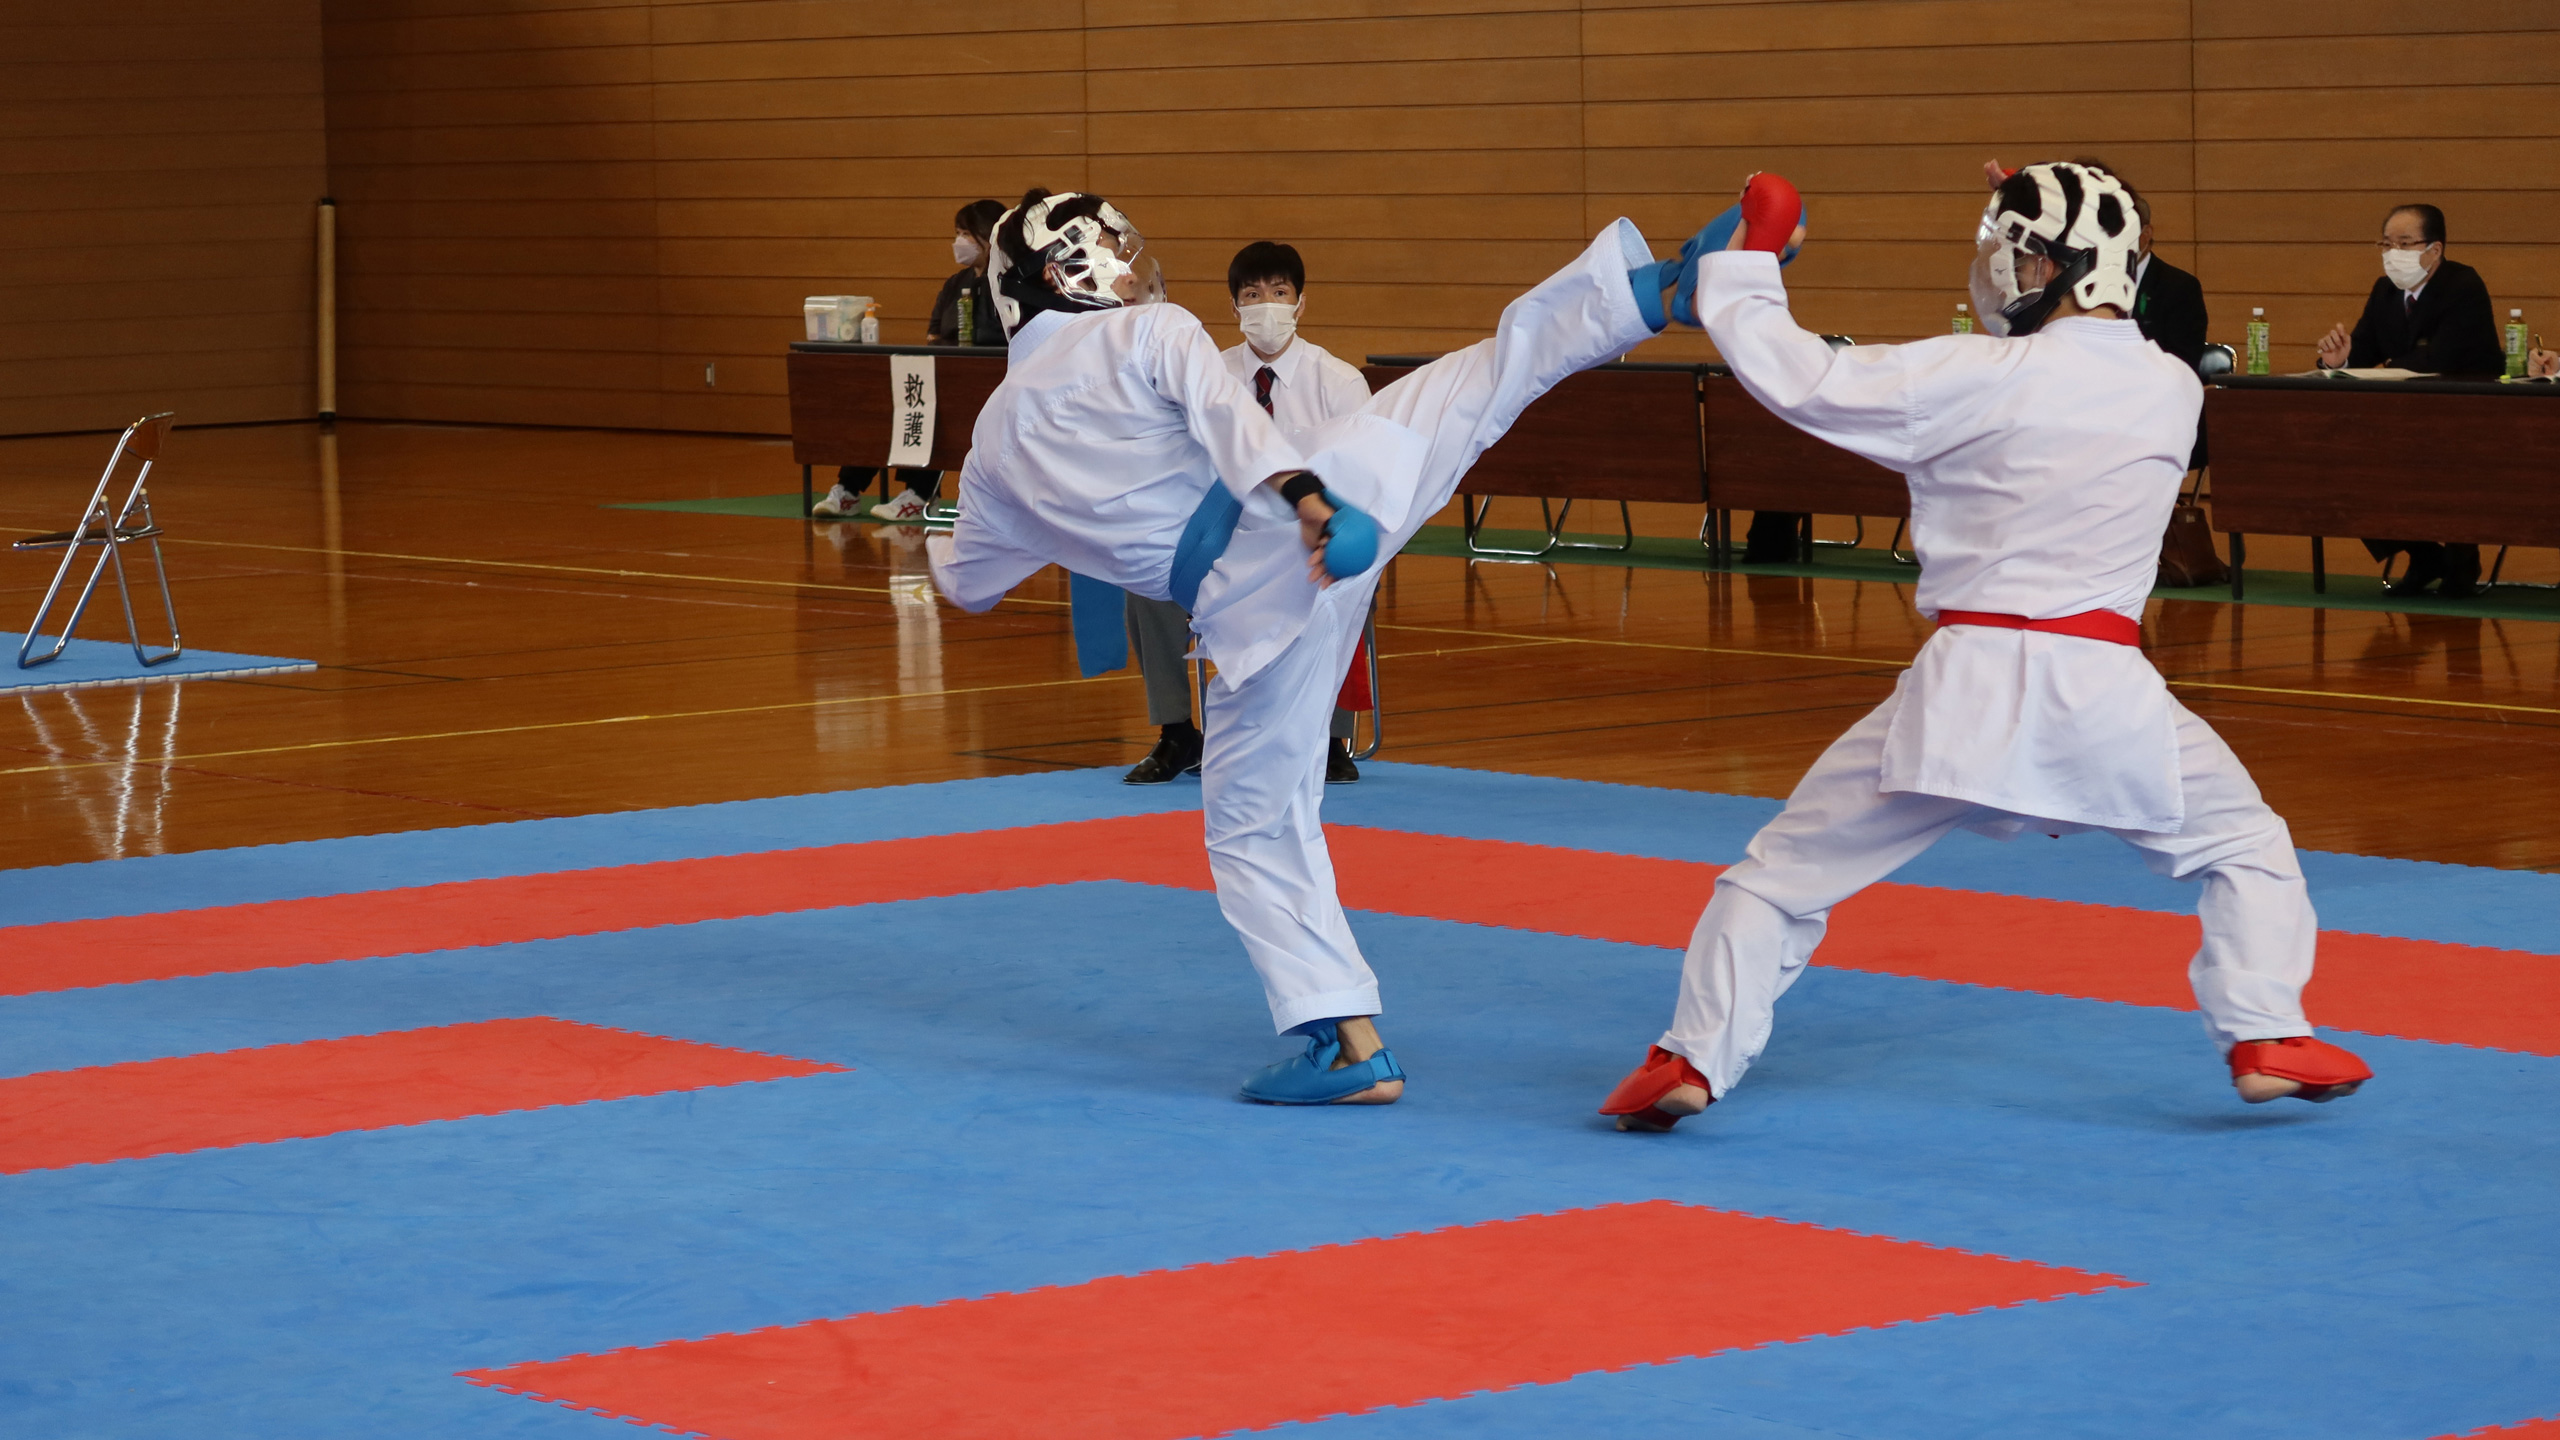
1868,661
544,565
173,760
1859,660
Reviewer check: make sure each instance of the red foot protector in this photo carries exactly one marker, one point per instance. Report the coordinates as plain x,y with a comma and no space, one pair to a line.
365,1082
2322,1069
1300,1335
1661,1073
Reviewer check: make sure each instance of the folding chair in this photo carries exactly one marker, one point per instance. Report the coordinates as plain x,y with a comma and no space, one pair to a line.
110,530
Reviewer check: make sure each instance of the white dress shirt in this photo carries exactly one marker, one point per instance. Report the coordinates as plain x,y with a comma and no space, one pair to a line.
2042,473
1308,386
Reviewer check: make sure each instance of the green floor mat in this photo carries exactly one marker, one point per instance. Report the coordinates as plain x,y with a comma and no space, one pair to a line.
1662,552
762,507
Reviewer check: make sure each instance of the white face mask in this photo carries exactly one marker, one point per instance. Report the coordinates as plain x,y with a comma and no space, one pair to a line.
1270,328
964,250
2407,268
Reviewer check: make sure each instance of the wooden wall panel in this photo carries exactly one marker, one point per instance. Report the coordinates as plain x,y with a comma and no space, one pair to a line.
158,169
2313,121
572,207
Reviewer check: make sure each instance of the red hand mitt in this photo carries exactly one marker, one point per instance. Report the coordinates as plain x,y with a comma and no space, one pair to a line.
1771,210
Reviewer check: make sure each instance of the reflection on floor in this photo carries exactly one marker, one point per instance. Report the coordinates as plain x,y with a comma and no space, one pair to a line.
497,643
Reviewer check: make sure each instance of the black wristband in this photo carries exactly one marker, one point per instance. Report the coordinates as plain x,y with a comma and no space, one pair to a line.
1301,485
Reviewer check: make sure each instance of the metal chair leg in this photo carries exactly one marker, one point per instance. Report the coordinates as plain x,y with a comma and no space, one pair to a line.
110,531
944,507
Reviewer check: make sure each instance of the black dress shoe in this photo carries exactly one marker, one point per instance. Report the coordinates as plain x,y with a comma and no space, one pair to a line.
2408,587
1338,769
2457,588
1174,756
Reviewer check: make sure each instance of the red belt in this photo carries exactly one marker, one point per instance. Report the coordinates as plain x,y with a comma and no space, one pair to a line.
2088,624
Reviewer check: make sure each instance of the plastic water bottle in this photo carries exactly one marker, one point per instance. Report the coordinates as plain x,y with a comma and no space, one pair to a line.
1964,321
968,318
2515,344
2257,342
870,331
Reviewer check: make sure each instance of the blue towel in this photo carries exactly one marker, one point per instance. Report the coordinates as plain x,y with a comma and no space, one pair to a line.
1203,541
1096,616
1100,624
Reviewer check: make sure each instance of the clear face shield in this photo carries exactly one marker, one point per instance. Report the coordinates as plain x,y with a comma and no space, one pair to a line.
1993,277
1135,277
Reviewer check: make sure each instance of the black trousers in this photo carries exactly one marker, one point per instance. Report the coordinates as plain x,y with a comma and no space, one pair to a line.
1773,538
2429,560
926,483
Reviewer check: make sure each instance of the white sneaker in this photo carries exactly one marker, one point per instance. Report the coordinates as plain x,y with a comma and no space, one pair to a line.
839,504
908,506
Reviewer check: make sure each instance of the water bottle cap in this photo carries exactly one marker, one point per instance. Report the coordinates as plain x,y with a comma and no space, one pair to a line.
2515,314
1959,309
2254,310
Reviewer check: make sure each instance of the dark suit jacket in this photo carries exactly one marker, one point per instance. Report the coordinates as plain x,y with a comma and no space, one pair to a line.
2168,307
2449,332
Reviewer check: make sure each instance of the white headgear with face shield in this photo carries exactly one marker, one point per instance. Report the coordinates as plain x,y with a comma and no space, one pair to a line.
1066,252
2079,218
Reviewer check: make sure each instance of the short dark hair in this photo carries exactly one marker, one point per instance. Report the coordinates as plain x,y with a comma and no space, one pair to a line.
979,218
1266,260
2430,219
2141,207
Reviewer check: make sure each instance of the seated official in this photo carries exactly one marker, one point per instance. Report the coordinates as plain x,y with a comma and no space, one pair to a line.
2431,315
972,244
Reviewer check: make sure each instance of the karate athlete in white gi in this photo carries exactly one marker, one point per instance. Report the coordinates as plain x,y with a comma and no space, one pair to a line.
1122,447
2043,463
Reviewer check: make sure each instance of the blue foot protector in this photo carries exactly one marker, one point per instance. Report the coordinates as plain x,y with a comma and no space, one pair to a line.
1649,281
1310,1079
1350,540
1714,236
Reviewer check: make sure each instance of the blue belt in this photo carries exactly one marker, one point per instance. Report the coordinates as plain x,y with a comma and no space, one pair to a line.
1102,637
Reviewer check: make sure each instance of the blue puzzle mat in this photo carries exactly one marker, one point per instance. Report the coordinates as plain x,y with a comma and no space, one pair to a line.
111,662
1040,1091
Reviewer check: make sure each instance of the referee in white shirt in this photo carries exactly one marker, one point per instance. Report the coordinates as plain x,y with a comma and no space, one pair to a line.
1300,384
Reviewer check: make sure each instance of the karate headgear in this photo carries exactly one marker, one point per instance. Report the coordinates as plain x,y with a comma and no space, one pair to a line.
1061,252
2082,219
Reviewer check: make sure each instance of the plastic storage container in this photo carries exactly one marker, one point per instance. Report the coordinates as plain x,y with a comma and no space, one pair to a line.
834,317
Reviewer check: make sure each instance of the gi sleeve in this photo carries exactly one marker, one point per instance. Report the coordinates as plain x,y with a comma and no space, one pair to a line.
976,565
1888,403
1185,368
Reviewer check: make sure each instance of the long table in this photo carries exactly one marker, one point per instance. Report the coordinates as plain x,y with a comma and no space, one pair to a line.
1614,433
1756,461
1672,433
841,408
2456,461
1620,432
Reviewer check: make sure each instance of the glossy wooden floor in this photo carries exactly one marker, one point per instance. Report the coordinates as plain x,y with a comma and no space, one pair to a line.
495,644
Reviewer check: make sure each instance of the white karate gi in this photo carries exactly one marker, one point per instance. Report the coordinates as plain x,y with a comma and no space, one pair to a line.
2042,473
1108,429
